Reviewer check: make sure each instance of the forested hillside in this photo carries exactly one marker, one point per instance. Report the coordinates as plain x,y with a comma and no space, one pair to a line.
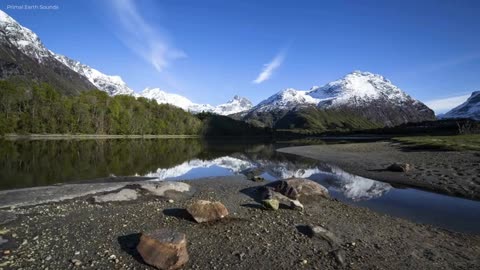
42,109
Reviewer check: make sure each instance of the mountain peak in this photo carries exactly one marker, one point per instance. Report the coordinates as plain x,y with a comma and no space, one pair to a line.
468,109
22,38
359,86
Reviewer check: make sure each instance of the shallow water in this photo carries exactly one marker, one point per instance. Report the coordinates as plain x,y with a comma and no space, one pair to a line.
36,163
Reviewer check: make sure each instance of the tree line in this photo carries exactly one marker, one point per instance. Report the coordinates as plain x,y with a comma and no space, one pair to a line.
41,109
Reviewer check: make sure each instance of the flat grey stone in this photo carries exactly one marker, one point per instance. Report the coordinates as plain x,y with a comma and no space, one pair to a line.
122,195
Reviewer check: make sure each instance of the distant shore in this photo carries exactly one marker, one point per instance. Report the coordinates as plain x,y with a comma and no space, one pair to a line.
91,136
450,172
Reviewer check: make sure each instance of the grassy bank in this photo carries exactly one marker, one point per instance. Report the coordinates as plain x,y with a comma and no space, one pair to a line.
457,143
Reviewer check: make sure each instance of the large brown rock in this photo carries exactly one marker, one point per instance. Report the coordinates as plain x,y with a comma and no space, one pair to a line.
206,211
298,188
164,249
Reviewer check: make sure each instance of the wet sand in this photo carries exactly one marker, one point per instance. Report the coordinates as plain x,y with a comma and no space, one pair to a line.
449,172
104,236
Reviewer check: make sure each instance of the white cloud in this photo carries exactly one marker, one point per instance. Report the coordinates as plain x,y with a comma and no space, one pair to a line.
150,43
269,68
445,104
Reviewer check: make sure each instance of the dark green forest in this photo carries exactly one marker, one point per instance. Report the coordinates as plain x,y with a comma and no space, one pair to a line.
41,109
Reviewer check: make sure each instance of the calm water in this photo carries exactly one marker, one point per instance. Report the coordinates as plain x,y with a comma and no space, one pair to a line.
34,163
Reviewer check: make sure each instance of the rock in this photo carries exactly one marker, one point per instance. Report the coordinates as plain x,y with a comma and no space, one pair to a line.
296,205
272,204
164,249
400,167
268,193
76,262
122,195
297,188
339,255
161,188
254,174
257,178
320,232
206,211
284,188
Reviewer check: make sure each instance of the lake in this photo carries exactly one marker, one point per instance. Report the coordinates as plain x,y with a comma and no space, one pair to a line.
28,163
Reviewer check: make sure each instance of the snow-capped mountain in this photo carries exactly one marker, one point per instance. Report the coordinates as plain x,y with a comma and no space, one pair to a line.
468,109
163,97
286,99
356,88
359,88
362,93
15,36
22,38
23,56
113,85
237,104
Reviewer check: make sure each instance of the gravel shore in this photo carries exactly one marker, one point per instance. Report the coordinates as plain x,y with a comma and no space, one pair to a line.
449,172
79,234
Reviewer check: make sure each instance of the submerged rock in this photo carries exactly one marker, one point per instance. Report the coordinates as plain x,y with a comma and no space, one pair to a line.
122,195
272,204
164,249
400,167
206,211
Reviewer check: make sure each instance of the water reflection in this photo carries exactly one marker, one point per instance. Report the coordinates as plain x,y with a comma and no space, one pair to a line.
350,186
34,163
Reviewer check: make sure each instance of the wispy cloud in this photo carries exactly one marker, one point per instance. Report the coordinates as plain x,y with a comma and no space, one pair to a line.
148,42
269,68
445,104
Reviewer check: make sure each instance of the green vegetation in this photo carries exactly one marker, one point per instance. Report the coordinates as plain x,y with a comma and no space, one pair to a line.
458,142
25,163
218,125
41,109
313,120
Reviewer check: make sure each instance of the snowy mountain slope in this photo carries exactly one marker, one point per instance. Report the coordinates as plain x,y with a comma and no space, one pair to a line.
362,93
26,41
163,97
468,109
237,104
358,88
286,99
23,56
22,38
113,85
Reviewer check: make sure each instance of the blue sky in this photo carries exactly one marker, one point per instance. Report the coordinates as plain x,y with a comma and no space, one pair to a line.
211,50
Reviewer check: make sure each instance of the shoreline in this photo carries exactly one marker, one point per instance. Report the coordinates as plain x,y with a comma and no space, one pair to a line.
91,136
452,173
53,234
